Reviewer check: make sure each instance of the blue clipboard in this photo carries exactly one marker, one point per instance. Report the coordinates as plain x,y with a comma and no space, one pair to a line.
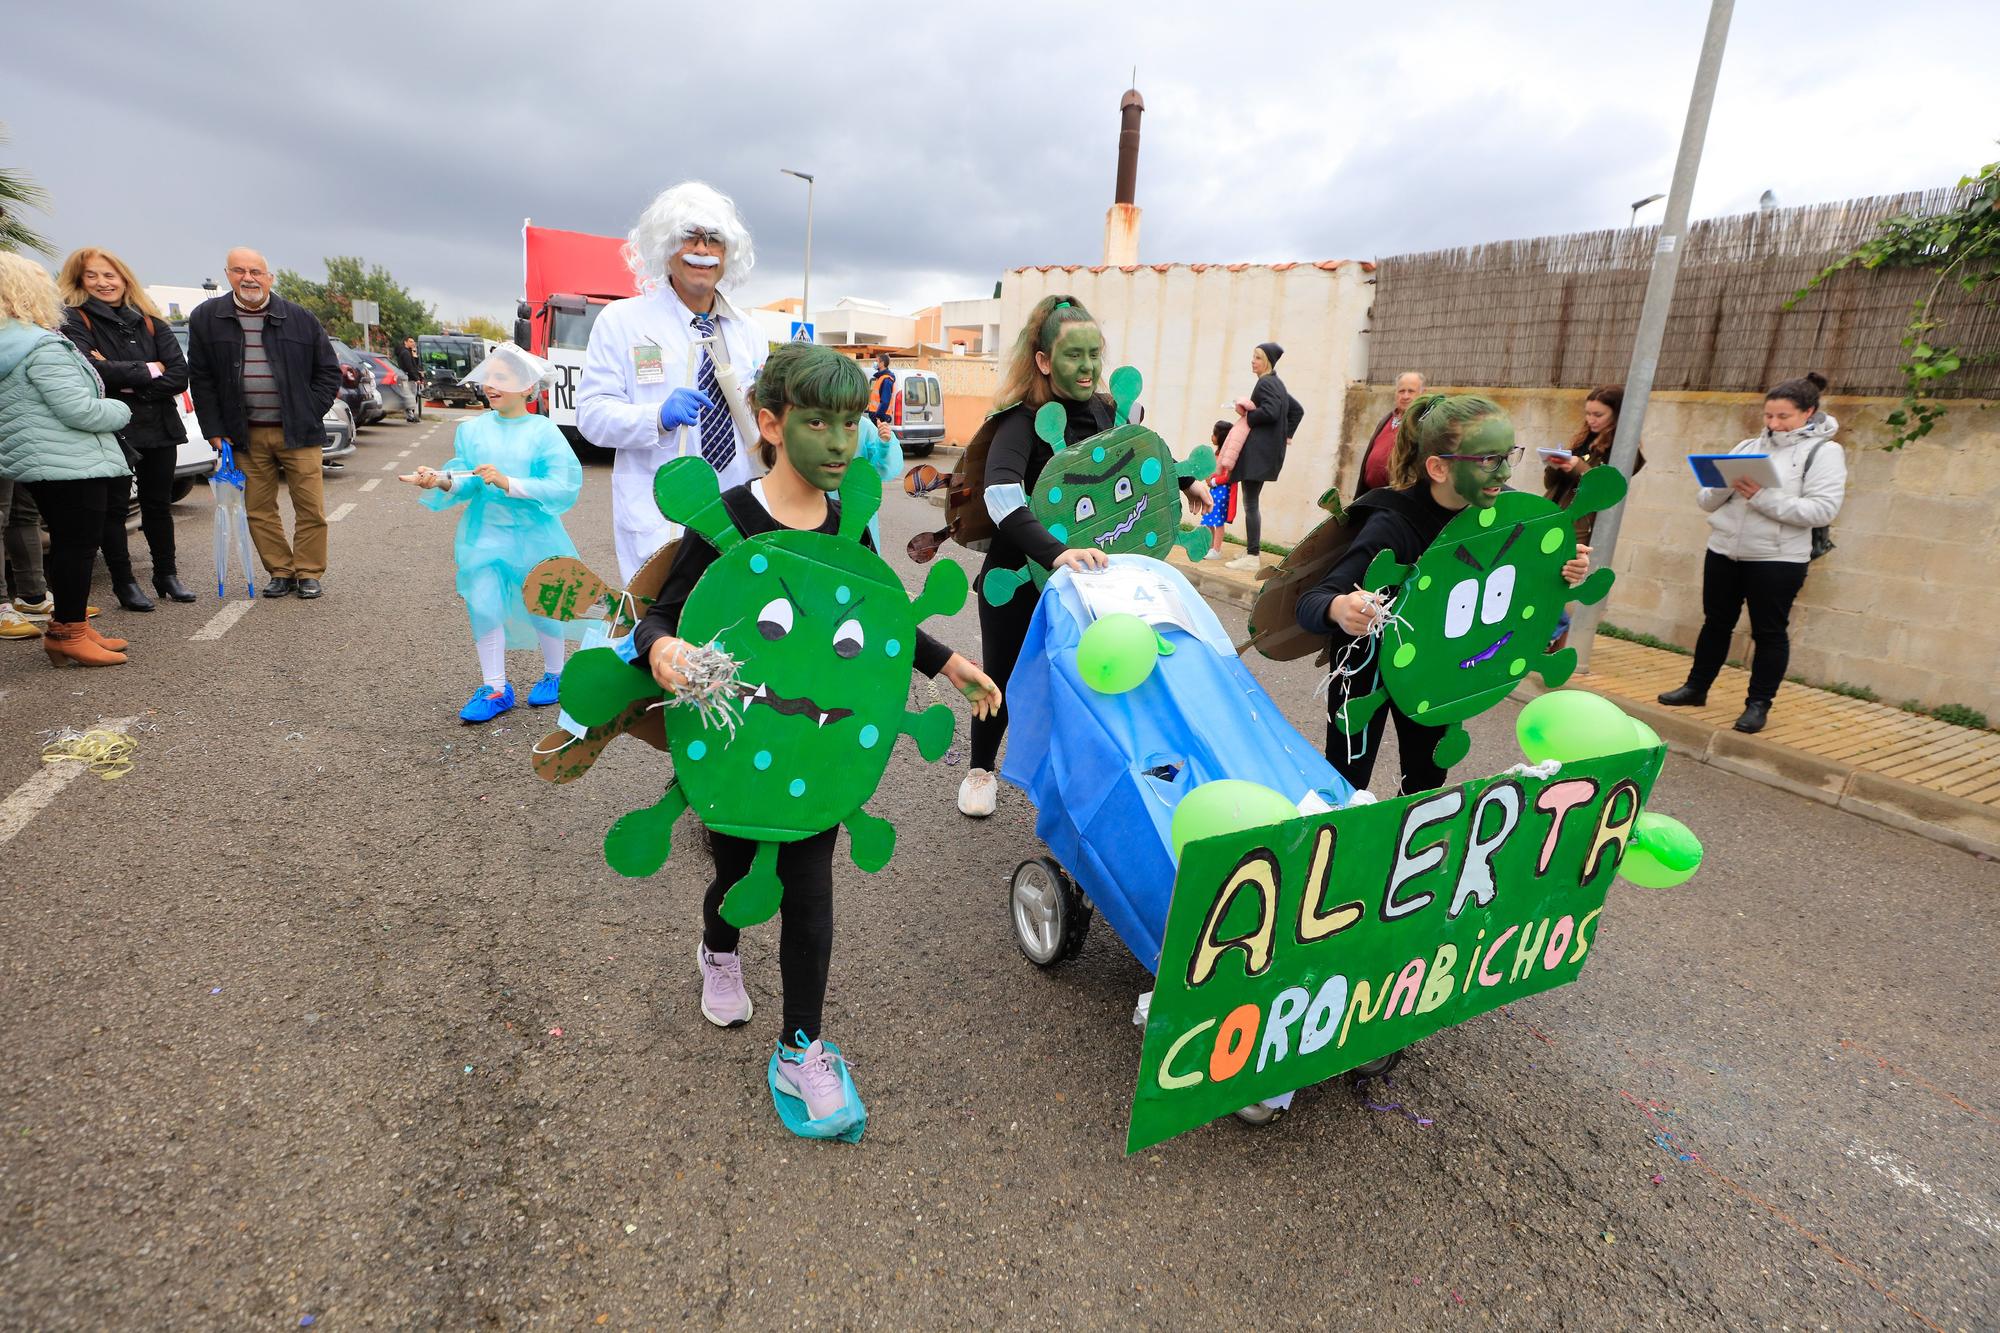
1706,472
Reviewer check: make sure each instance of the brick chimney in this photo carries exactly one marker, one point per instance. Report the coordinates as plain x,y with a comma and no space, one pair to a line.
1121,222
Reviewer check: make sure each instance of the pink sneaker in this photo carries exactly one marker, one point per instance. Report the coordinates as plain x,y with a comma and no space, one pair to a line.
810,1076
724,1002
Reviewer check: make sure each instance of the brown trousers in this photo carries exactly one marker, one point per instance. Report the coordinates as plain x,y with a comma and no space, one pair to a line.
263,462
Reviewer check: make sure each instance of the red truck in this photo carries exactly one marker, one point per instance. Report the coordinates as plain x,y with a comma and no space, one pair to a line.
568,277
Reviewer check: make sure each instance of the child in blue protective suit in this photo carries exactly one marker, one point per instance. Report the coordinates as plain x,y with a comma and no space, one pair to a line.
515,474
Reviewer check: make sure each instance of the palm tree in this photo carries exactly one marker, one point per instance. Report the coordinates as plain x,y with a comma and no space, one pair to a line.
18,192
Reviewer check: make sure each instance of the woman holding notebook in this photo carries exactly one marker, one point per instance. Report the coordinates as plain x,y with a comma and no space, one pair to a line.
1760,542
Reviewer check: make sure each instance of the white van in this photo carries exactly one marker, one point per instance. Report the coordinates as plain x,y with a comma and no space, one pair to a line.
917,411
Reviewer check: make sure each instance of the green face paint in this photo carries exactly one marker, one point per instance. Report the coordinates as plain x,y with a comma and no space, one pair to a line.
1076,362
820,443
1477,483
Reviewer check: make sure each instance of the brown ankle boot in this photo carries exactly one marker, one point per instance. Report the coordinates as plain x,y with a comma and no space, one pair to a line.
69,645
114,645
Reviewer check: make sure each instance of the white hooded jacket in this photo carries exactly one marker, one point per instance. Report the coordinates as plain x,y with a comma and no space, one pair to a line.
615,410
1777,522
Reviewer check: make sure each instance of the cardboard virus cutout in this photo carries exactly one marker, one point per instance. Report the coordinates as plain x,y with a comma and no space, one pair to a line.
564,588
823,636
1477,611
1119,491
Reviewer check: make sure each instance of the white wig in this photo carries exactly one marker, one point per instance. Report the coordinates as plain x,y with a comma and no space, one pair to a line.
673,214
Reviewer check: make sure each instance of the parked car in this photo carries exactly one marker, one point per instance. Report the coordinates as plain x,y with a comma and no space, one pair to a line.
366,402
193,460
917,411
398,394
448,358
339,423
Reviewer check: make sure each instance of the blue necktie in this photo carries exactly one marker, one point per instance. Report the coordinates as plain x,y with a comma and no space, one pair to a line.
718,431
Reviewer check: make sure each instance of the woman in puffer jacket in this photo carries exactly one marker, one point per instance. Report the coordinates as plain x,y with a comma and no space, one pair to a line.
1759,545
57,436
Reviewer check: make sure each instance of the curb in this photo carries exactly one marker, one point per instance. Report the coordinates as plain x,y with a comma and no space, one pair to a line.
1951,820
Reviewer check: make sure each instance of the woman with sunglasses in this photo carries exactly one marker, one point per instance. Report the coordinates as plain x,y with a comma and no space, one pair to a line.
1452,452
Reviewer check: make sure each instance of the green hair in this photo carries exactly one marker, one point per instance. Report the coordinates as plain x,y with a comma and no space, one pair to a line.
808,375
1433,425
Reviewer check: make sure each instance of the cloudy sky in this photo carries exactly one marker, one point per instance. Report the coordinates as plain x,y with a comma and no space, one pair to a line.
951,141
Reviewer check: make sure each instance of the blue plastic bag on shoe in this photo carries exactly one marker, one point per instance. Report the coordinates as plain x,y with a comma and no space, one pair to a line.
845,1124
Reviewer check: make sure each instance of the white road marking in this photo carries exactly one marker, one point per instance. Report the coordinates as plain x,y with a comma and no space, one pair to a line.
1971,1213
406,453
370,484
218,624
342,512
32,796
388,466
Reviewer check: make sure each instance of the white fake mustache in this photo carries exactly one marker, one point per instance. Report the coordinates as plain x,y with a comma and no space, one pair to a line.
701,261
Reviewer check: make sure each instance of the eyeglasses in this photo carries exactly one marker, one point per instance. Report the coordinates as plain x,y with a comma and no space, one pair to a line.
248,273
1487,463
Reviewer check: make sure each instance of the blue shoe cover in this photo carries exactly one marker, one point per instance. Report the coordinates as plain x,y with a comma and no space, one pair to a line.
485,704
845,1124
546,690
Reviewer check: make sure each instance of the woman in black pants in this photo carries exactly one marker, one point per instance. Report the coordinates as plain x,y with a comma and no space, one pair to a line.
1272,417
1760,543
113,322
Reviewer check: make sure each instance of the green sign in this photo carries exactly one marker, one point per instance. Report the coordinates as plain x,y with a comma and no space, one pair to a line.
1297,951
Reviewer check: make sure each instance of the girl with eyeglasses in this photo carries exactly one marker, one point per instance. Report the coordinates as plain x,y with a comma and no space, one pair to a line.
1453,452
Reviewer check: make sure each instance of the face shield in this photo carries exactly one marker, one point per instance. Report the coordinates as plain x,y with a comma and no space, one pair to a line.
508,369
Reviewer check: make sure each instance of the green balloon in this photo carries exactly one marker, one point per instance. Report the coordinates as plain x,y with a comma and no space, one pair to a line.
1117,653
1568,725
1648,738
1228,805
1661,853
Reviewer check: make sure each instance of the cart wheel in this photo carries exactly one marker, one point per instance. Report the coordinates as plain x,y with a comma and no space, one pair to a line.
1050,915
1379,1068
1258,1114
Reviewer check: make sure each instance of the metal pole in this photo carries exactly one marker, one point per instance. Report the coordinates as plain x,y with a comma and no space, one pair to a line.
805,297
1653,315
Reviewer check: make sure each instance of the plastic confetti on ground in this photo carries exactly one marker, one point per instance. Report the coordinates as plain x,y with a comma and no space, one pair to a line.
105,753
307,1321
468,1069
216,991
1398,1107
1659,1180
555,1032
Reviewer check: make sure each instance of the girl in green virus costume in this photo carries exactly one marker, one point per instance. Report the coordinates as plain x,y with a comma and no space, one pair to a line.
1452,453
809,405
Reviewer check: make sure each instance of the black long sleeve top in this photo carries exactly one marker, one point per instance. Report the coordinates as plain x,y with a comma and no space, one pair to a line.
696,554
1403,521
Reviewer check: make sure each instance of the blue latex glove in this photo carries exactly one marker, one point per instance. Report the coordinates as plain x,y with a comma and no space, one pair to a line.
683,408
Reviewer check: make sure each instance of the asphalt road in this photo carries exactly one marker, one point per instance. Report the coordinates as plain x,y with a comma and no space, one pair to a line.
282,1042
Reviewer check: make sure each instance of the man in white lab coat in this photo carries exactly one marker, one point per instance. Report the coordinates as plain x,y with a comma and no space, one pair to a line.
668,372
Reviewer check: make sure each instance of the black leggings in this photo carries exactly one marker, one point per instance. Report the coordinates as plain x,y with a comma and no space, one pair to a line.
74,511
154,477
805,917
1002,629
1253,522
1769,586
1414,744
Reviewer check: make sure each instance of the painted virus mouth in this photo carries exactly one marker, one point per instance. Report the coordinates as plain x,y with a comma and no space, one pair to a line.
1488,654
1131,521
799,707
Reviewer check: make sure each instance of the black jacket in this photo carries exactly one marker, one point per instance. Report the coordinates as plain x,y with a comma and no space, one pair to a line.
406,361
126,340
1403,521
1271,425
302,362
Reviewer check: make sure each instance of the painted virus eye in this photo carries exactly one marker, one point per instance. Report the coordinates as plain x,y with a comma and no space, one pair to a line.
1122,491
848,640
775,620
1499,595
1459,608
1086,509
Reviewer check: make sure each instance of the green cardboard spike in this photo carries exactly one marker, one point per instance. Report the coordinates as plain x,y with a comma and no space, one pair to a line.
1476,612
825,635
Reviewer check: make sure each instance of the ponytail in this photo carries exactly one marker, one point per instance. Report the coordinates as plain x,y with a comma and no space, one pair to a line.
1024,381
1433,425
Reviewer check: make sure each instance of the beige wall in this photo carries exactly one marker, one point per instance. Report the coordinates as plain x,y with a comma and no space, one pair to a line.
1190,329
1909,603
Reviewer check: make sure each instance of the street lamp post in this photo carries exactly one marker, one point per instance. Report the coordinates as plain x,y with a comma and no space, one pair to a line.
1638,204
805,295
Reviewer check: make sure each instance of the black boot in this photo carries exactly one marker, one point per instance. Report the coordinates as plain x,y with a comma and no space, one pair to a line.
130,595
1687,696
1755,711
169,585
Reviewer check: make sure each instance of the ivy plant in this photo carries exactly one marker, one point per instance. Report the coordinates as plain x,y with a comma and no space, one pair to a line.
1962,248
